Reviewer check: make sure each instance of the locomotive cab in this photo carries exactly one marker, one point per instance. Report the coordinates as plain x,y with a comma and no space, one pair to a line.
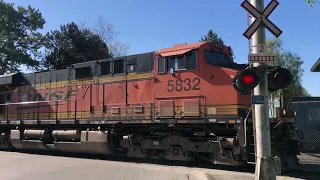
195,80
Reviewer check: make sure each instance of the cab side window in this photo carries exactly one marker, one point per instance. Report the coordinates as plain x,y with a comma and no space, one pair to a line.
191,60
178,62
187,61
161,65
215,58
181,62
171,63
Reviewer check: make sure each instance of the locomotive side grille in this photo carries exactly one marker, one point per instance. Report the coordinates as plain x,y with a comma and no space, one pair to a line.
118,66
191,107
138,109
83,72
166,108
105,68
115,110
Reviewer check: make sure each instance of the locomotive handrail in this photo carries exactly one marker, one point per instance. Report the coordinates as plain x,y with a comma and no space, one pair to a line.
245,128
35,102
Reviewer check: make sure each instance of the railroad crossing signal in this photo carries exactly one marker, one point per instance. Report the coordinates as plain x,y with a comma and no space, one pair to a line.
261,18
247,79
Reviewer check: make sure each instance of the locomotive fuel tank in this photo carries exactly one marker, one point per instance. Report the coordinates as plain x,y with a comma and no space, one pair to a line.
62,140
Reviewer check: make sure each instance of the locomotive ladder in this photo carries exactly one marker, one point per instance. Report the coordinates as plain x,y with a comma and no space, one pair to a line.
251,143
251,140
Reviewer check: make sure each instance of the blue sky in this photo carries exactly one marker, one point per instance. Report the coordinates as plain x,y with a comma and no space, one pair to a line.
149,25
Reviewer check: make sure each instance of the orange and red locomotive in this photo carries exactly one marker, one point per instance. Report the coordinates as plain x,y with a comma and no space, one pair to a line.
177,103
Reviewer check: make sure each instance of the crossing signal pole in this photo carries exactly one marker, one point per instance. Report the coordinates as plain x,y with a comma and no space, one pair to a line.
266,79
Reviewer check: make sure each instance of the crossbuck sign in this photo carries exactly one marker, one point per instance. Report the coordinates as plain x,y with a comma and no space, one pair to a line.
261,18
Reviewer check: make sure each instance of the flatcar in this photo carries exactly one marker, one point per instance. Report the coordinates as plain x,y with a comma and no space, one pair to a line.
176,103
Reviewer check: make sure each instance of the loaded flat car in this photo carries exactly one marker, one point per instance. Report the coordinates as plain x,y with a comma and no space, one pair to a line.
177,103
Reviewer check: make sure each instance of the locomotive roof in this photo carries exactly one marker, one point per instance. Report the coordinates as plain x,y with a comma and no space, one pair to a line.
142,62
131,59
179,49
139,63
316,66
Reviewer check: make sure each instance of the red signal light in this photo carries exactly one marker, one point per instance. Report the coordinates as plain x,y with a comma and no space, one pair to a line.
248,79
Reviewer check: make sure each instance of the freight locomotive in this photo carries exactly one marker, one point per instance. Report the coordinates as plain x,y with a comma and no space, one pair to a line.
178,103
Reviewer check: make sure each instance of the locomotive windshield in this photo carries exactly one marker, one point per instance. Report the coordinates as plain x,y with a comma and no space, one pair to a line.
216,58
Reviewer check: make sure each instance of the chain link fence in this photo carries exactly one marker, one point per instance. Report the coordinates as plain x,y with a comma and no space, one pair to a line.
307,123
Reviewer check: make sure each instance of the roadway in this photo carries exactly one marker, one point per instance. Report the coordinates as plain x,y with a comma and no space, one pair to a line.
24,166
16,166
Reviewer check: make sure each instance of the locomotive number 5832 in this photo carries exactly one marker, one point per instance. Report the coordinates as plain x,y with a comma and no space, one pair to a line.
183,84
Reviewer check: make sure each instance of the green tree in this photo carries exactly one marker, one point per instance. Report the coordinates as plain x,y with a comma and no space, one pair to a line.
311,2
71,45
20,40
212,37
108,33
292,62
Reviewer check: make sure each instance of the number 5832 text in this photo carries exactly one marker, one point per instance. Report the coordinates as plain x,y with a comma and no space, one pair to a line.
183,84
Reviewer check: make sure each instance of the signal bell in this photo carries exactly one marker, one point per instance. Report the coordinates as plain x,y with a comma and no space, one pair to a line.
246,80
279,78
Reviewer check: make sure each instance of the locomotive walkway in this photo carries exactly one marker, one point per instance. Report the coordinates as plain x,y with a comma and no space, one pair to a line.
16,166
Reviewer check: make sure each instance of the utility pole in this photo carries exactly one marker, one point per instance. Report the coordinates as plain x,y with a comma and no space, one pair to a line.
265,169
264,162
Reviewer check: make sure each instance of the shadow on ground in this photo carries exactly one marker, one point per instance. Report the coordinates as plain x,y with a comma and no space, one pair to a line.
304,171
